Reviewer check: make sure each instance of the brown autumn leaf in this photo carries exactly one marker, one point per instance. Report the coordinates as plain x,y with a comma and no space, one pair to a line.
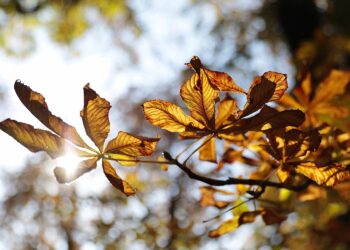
208,197
34,139
322,103
271,216
36,104
95,117
85,166
269,87
268,118
326,175
288,145
115,180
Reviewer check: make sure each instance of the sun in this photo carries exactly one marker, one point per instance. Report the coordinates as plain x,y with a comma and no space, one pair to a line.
70,162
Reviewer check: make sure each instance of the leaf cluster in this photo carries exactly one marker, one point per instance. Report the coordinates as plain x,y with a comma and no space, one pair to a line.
291,149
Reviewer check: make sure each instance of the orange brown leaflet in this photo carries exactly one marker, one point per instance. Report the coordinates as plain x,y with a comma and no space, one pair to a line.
115,180
36,104
95,117
34,139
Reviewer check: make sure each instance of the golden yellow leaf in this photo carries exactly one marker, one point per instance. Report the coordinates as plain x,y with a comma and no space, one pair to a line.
334,85
95,117
208,197
200,97
36,104
227,108
327,175
84,166
131,145
34,139
169,116
226,227
208,151
115,180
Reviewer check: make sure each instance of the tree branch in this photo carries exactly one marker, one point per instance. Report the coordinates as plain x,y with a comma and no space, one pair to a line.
231,180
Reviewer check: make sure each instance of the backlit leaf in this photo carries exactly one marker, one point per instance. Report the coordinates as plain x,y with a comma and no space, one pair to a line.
34,139
334,85
208,152
36,104
131,145
95,117
85,166
281,84
225,227
227,108
219,80
169,116
115,180
199,97
326,175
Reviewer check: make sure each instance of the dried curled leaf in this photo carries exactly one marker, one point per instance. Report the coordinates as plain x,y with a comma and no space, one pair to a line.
34,139
115,180
131,145
95,117
218,80
326,176
36,104
85,166
169,116
269,87
281,84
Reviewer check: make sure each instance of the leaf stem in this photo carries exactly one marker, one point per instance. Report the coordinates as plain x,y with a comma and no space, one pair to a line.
209,137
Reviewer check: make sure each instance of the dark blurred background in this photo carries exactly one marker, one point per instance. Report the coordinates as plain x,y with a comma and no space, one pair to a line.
144,45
